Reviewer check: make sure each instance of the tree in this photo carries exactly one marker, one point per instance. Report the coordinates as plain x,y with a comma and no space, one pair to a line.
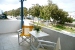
49,9
60,16
5,12
9,13
35,10
69,20
17,12
42,12
25,11
13,12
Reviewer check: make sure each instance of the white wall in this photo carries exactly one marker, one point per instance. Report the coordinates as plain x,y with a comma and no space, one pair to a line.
7,26
67,41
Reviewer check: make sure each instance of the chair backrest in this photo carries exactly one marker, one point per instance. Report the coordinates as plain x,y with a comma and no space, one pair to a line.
58,45
26,29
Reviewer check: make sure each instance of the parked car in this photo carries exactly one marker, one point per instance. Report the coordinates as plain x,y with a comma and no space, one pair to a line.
3,16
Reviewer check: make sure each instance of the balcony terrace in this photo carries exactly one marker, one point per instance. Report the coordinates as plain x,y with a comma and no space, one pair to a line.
9,41
9,37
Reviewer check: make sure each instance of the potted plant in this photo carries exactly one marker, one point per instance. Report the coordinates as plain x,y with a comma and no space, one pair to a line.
37,28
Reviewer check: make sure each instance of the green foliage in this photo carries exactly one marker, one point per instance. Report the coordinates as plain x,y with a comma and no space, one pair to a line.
35,10
60,16
45,12
59,26
37,28
25,11
73,19
50,11
16,12
69,20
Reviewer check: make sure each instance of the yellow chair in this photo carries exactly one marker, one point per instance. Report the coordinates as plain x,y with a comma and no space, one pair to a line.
23,34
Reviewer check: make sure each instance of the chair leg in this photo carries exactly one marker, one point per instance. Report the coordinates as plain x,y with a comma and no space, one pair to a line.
40,45
18,39
54,47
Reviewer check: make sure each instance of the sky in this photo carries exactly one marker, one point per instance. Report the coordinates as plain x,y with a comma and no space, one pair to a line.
66,5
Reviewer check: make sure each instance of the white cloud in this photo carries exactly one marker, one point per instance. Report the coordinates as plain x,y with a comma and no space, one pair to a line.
67,5
6,5
9,1
29,3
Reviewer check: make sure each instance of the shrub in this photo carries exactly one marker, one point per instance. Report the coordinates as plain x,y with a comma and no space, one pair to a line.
59,26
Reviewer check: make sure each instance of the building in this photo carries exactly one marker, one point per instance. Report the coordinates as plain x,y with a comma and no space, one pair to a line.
72,14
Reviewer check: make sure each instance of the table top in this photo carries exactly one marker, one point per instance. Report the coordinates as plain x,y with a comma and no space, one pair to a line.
40,34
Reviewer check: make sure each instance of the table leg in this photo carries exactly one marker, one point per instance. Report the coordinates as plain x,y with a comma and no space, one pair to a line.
30,42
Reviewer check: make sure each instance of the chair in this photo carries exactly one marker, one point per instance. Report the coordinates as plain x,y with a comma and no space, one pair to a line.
24,34
56,46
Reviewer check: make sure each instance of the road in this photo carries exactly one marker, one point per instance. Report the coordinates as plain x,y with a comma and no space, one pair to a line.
27,22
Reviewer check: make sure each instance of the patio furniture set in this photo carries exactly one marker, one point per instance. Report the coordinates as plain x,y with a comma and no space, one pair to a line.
33,38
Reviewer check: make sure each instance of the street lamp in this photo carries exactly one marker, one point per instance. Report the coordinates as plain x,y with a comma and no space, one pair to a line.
22,12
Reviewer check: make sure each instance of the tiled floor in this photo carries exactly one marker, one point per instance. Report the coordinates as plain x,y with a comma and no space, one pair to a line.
9,41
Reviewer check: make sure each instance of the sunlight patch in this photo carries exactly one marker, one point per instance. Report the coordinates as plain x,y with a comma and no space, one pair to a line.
15,36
